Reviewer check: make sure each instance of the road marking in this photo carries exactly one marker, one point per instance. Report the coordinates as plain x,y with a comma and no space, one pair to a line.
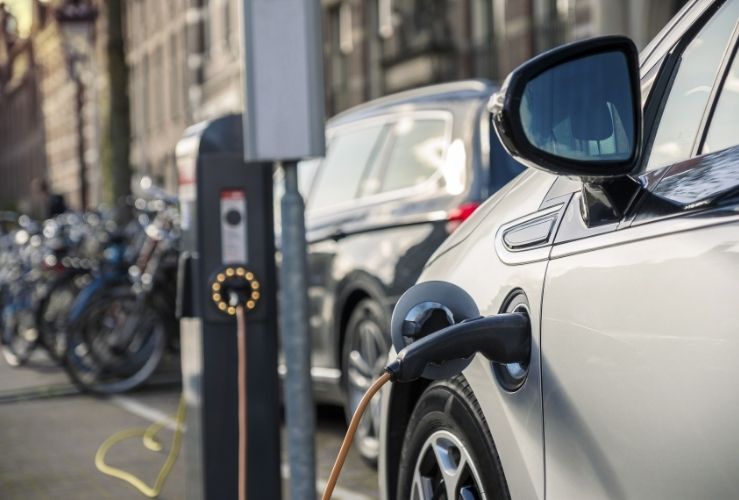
141,410
146,412
339,492
32,393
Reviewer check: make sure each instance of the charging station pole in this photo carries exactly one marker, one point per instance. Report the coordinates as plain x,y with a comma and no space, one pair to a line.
226,214
284,123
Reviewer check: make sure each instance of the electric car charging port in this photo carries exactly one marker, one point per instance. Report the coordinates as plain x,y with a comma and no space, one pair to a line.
512,376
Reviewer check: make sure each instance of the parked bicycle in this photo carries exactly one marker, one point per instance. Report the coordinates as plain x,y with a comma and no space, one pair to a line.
99,297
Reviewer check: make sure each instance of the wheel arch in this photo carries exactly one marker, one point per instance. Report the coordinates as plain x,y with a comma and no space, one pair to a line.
352,291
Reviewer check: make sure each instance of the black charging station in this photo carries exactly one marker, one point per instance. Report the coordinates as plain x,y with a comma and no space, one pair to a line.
227,220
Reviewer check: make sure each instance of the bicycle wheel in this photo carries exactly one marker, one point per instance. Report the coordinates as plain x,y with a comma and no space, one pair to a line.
19,333
53,311
116,344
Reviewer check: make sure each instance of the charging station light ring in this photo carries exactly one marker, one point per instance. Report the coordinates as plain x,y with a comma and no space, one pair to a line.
232,276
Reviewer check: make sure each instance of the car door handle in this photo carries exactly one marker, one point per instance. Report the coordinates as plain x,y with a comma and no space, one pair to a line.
529,234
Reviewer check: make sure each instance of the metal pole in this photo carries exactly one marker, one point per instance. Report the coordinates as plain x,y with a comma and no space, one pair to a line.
299,407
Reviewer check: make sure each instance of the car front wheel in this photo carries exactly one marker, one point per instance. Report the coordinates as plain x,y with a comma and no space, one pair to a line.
448,452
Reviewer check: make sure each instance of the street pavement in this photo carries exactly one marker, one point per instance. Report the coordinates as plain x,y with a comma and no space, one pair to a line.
49,434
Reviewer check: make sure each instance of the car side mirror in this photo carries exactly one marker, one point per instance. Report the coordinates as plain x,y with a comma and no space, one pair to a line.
575,110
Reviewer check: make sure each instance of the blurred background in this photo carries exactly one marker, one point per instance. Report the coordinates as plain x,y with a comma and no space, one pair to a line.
92,91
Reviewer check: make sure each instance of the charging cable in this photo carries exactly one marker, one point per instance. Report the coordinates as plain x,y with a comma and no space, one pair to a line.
151,442
350,432
243,428
241,288
504,338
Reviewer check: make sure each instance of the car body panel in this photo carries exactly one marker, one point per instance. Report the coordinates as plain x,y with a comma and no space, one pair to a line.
635,322
639,335
514,418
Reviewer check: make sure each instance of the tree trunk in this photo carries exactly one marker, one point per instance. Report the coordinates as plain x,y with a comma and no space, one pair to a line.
115,158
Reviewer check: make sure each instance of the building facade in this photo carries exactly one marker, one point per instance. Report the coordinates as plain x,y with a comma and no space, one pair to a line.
376,47
50,118
184,63
184,60
22,140
72,100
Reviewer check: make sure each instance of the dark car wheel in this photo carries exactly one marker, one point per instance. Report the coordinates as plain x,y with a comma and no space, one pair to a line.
366,345
448,452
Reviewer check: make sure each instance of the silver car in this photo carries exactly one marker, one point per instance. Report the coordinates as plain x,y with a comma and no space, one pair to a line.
621,246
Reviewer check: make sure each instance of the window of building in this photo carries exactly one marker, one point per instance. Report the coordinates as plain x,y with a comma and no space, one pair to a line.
207,32
229,31
159,87
346,35
174,85
385,14
184,75
148,112
336,64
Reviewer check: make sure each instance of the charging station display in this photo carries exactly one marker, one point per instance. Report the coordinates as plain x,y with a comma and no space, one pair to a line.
233,227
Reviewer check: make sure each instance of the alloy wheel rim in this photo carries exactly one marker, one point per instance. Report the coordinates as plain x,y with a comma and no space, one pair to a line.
445,470
366,361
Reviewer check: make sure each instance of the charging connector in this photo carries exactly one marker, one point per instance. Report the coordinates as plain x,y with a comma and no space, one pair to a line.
504,338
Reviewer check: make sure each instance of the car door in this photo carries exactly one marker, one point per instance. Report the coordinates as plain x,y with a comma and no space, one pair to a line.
640,326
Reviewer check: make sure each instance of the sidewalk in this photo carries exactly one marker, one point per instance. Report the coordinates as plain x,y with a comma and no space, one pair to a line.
48,444
49,434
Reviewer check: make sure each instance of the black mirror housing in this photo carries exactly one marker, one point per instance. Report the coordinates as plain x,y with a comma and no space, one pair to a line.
574,110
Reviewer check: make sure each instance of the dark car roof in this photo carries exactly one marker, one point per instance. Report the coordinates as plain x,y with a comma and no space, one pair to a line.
424,97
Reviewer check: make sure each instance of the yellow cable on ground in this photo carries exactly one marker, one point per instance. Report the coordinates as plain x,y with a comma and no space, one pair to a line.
152,443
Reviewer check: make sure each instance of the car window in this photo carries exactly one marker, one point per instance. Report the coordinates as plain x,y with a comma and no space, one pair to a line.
307,170
306,173
347,156
691,89
723,131
417,152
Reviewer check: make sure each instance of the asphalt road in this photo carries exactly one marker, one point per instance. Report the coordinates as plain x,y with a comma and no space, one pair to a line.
49,435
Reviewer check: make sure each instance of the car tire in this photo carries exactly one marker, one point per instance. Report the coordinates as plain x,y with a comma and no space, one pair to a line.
447,422
364,356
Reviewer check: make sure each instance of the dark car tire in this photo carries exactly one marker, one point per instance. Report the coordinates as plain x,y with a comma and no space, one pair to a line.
448,415
367,334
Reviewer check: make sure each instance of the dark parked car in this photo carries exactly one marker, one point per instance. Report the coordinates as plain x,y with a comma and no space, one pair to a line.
400,175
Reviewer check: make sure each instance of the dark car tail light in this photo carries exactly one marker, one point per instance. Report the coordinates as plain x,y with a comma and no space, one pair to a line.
460,214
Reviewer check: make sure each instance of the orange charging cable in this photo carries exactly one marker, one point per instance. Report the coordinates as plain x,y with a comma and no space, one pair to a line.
349,437
241,346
